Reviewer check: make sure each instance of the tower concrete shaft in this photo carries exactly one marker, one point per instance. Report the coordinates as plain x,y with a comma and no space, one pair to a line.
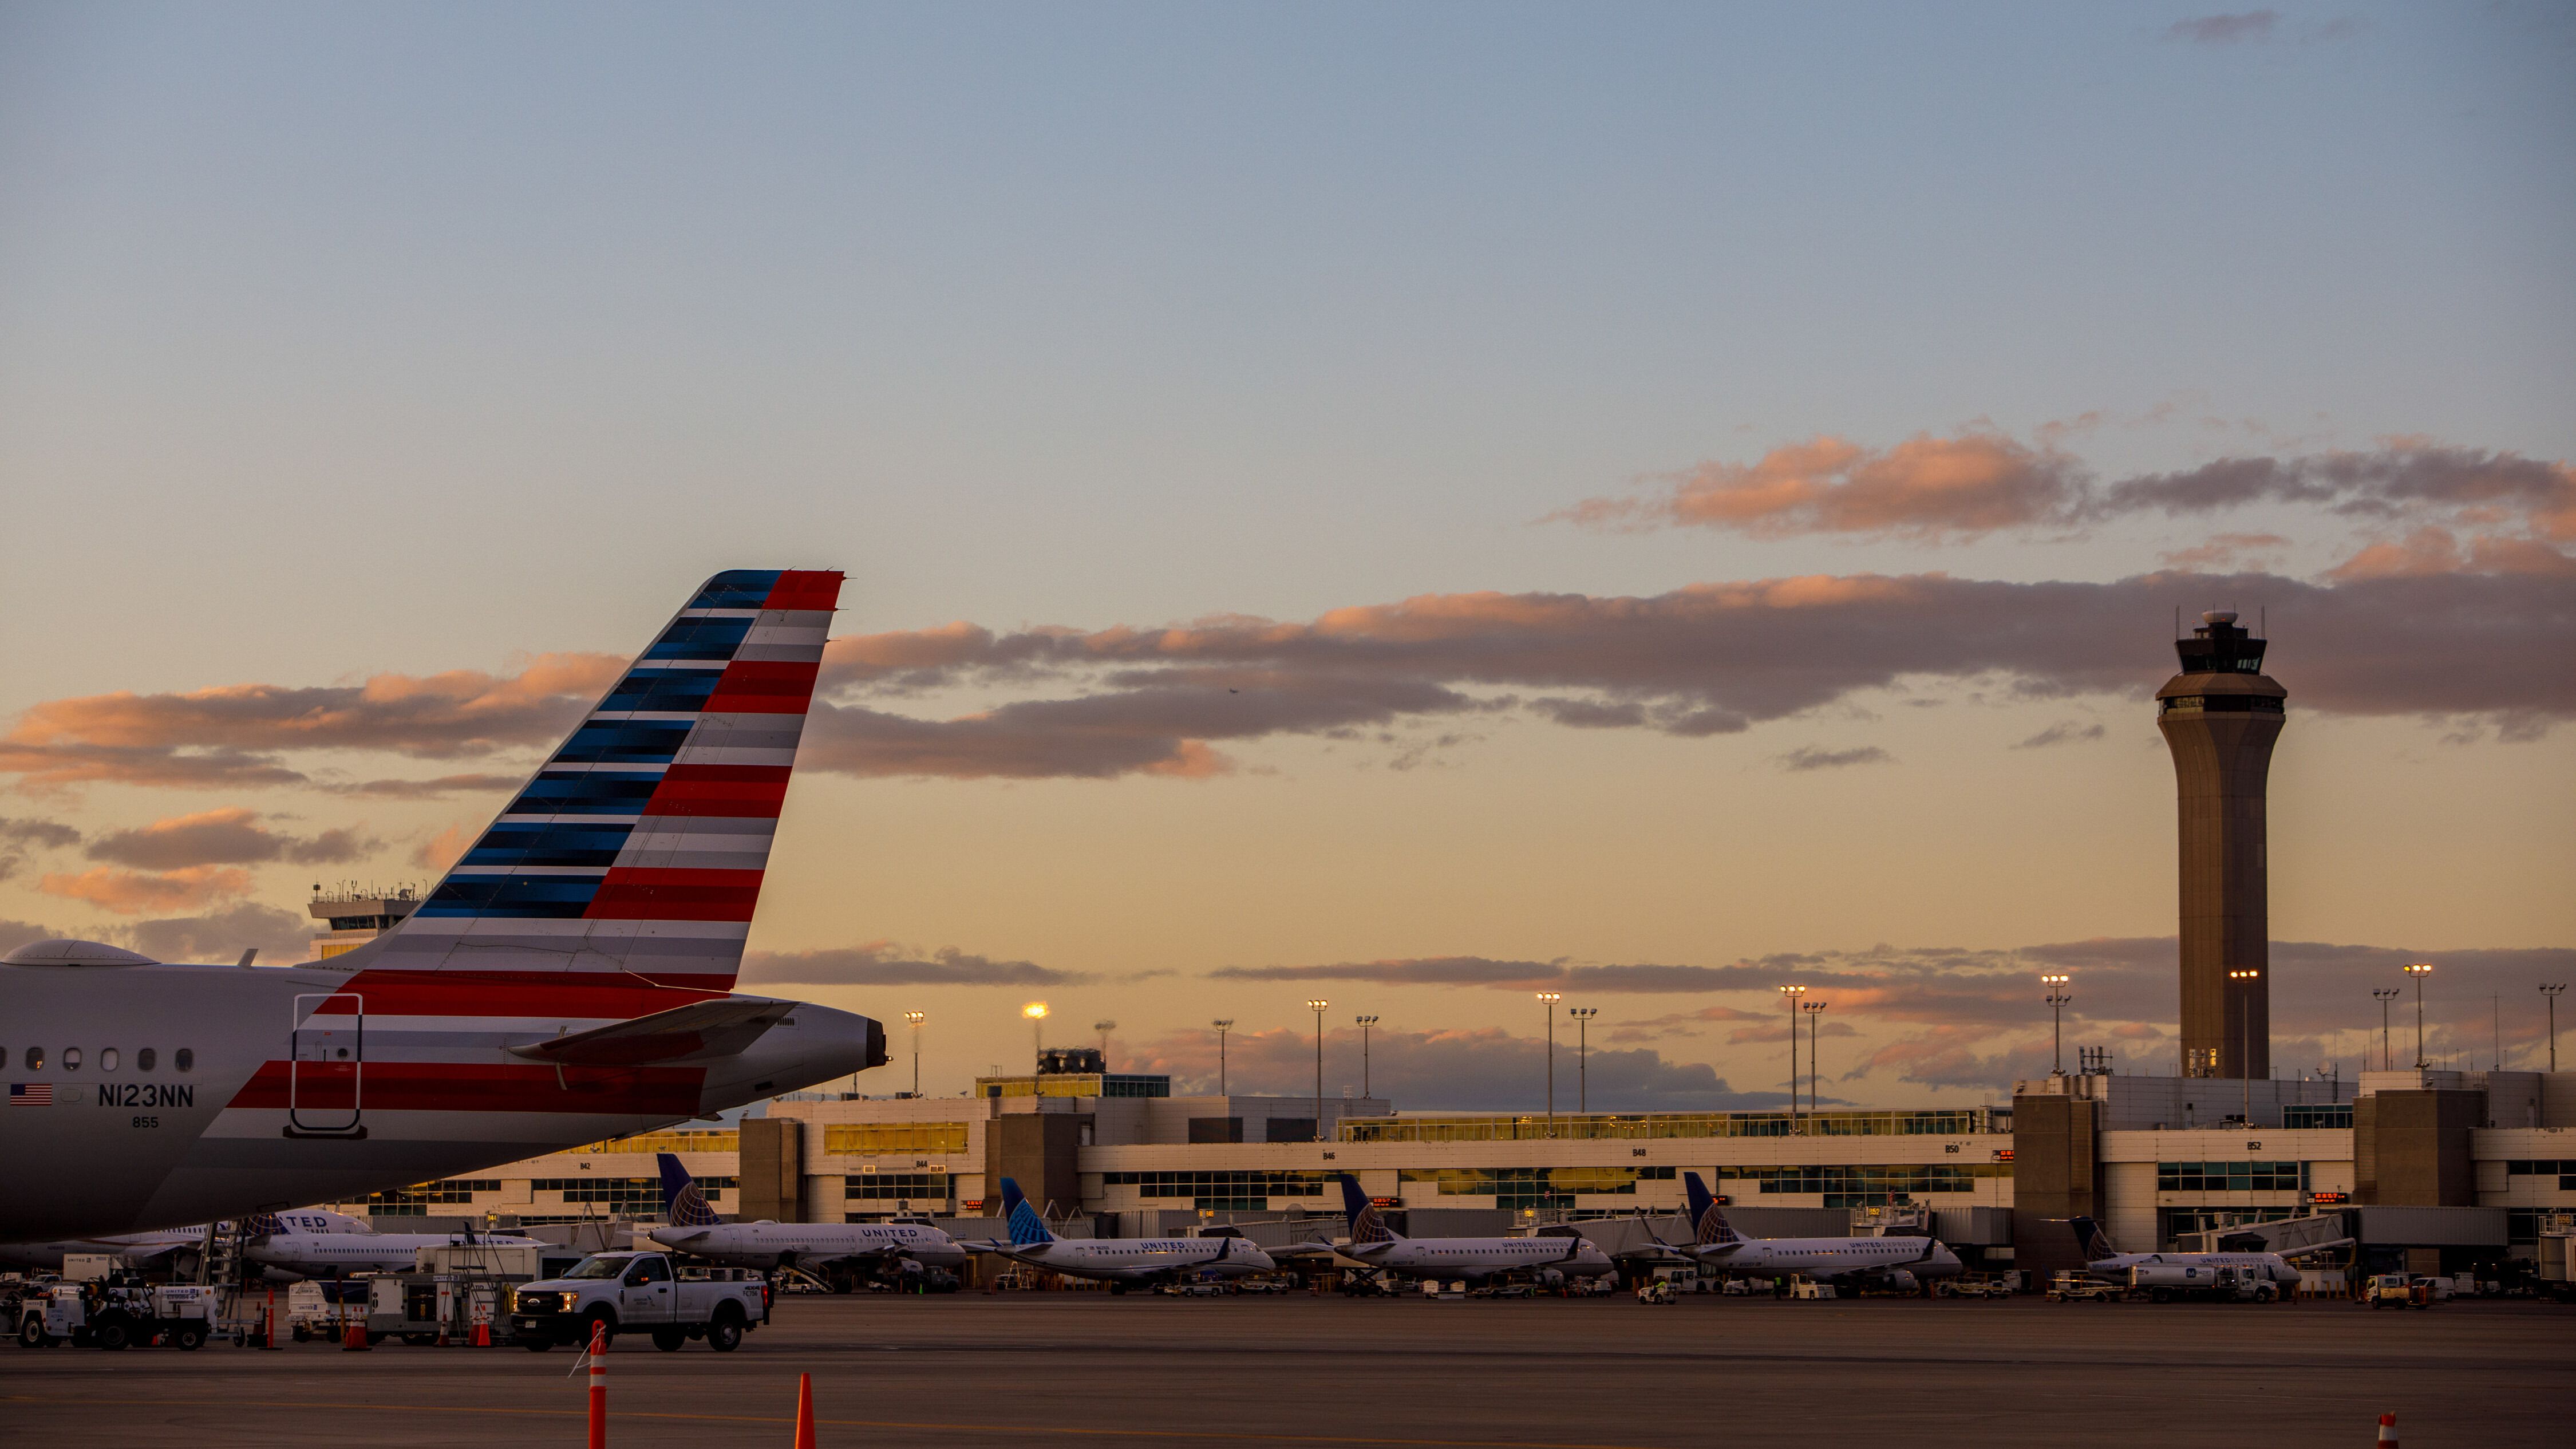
2220,717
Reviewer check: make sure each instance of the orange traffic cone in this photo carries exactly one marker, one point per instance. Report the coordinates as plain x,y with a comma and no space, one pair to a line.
599,1385
2388,1431
804,1411
356,1338
483,1335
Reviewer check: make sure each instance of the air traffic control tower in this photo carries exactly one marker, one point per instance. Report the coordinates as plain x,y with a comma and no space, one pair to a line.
2220,717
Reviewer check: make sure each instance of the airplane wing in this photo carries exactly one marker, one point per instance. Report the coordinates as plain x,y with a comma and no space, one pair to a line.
1299,1252
684,1033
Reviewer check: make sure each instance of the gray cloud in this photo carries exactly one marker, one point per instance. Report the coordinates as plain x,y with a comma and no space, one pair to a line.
2064,732
20,838
883,963
227,837
1808,757
282,937
2251,25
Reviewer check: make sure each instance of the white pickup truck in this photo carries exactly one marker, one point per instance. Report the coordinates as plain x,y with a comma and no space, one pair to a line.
643,1293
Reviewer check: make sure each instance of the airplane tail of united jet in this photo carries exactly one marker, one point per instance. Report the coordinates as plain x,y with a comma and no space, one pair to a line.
1028,1230
1710,1229
2095,1243
685,1205
634,856
1368,1225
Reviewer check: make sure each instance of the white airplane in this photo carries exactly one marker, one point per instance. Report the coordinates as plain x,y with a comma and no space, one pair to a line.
168,1250
2186,1270
1897,1262
1550,1257
839,1252
570,980
1119,1261
318,1244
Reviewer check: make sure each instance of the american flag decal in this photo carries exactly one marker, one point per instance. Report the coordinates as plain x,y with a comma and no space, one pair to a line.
31,1094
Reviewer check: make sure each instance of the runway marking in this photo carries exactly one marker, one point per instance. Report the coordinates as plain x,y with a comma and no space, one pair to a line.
1061,1431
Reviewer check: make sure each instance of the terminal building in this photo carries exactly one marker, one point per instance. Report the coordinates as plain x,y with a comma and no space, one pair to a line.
2424,1170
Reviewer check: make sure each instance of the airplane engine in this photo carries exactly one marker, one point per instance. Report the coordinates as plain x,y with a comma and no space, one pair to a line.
2170,1275
1551,1278
1904,1282
274,1274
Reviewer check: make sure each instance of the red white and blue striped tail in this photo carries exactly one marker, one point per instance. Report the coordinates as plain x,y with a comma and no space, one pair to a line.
637,850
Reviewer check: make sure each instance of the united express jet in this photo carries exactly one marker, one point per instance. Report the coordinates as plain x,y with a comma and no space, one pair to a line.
570,980
1119,1261
1550,1257
1897,1262
838,1252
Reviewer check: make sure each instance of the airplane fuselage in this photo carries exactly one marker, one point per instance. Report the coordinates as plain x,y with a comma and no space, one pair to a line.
1830,1257
272,1087
343,1255
1132,1260
773,1245
2262,1267
1474,1258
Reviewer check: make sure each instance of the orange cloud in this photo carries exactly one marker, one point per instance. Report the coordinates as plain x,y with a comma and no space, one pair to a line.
221,837
134,893
442,850
1925,487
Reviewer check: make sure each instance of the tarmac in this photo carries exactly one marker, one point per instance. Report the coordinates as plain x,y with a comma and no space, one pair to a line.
1030,1370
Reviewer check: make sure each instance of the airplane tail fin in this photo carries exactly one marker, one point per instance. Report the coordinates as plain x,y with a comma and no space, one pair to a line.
2095,1243
635,854
1367,1224
1028,1230
681,1200
263,1225
1710,1229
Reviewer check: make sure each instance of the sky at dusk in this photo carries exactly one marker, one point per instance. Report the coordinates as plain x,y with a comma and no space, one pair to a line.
1415,505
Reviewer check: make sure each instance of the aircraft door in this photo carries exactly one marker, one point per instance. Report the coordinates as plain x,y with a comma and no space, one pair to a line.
324,1071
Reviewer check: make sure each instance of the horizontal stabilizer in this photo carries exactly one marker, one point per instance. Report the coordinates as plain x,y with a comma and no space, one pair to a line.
684,1033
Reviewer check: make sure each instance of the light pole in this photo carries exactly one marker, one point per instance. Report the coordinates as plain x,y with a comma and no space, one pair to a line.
1815,1011
2384,995
1104,1027
1791,995
1583,1056
2057,1000
1365,1022
913,1019
2245,1040
1223,1025
1547,1002
1317,1005
2419,970
1036,1011
2550,995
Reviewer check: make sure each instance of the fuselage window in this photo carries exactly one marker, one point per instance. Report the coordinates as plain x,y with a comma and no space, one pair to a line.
71,1059
35,1059
107,1059
143,1060
186,1059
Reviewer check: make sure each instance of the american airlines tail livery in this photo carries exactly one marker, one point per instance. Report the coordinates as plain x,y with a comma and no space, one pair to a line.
570,980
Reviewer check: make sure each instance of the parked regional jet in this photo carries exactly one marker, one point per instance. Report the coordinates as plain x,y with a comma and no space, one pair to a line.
314,1244
172,1250
1897,1262
1119,1261
571,979
838,1252
2177,1270
1552,1258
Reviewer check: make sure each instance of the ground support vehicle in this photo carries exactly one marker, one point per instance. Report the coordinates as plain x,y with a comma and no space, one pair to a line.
1975,1288
2165,1282
421,1308
95,1315
642,1293
1809,1288
2084,1288
1657,1290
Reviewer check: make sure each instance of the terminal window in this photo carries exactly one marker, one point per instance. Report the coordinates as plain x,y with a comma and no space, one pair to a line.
1227,1191
625,1196
1523,1187
866,1138
2563,1168
2325,1115
1865,1184
2238,1176
416,1201
896,1187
